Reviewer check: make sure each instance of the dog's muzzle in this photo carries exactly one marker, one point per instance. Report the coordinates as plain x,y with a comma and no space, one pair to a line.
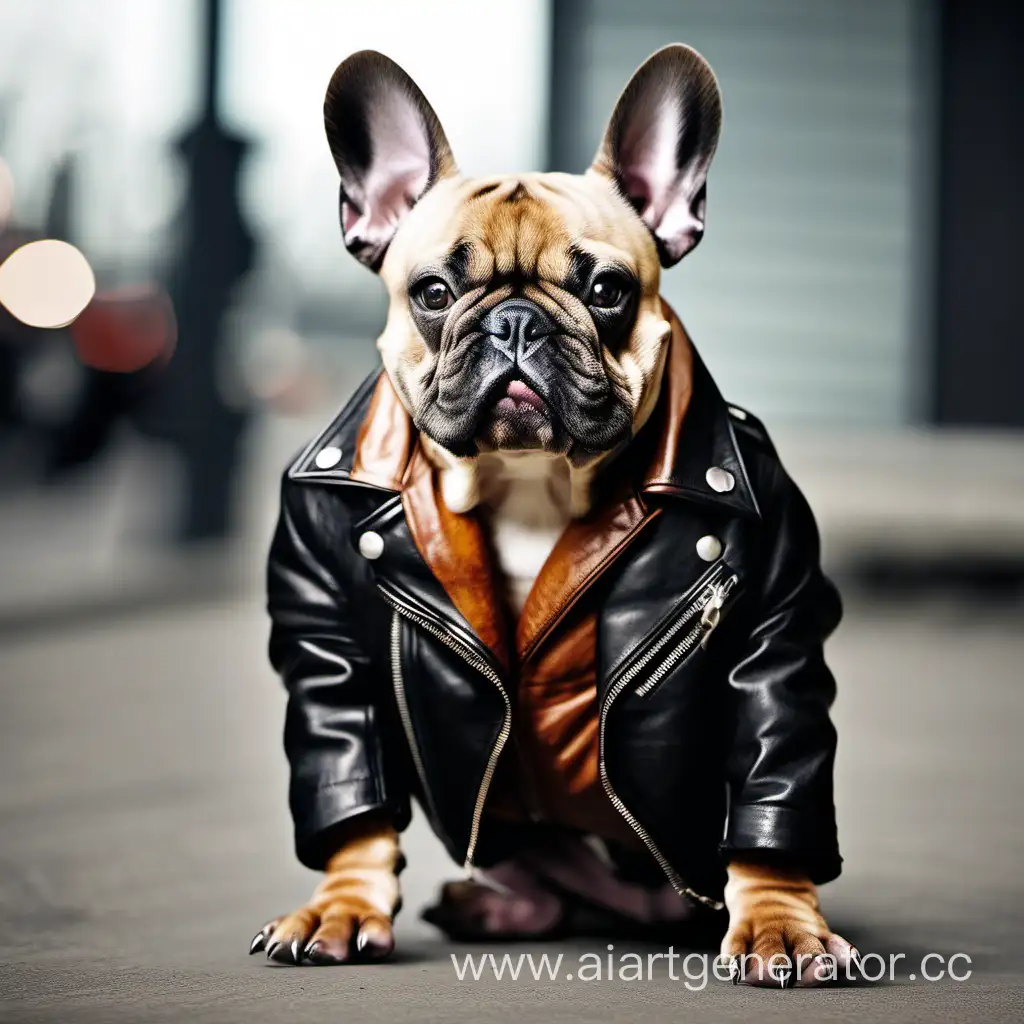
518,328
520,378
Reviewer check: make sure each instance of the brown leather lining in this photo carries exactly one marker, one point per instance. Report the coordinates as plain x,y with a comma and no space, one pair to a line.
457,550
551,769
583,552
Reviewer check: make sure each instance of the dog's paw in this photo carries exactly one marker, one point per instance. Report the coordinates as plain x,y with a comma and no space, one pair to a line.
777,937
327,932
349,918
786,953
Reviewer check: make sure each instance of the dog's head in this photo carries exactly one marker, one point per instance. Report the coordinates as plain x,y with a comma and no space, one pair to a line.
524,309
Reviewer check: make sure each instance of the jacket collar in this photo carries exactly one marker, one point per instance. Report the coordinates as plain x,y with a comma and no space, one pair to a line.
694,434
675,458
689,432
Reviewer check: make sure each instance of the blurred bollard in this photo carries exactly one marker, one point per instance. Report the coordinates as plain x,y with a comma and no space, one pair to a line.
217,251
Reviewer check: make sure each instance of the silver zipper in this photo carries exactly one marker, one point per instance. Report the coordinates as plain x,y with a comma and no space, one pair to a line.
506,726
709,594
707,581
709,604
712,614
670,872
398,683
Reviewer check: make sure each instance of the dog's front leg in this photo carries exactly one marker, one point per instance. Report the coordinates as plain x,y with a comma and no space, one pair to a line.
349,916
777,936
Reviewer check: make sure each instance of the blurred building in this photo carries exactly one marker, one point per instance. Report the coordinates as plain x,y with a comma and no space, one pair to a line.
856,284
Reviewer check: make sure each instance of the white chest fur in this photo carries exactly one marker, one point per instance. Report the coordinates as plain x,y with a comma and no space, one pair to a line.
525,498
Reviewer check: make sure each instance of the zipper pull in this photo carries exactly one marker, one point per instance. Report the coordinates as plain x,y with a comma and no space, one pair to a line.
712,613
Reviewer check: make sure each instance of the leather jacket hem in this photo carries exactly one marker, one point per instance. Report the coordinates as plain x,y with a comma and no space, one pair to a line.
319,813
802,837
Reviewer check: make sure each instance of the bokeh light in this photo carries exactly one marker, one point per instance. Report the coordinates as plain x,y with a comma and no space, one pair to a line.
46,283
125,330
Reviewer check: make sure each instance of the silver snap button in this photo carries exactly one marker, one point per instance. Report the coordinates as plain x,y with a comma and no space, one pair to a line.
371,545
719,479
328,458
737,414
709,548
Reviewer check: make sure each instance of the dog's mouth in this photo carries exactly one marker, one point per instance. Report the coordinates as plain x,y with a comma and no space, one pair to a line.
519,398
516,418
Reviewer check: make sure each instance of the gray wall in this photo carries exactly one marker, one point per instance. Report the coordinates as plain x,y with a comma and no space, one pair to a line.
807,294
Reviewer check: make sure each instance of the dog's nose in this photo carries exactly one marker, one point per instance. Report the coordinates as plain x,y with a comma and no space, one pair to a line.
517,328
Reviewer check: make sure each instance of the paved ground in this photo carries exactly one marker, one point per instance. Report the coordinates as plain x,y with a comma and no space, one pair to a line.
143,836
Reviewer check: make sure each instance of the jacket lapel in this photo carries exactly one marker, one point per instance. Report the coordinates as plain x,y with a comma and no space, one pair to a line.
456,549
695,434
581,555
385,440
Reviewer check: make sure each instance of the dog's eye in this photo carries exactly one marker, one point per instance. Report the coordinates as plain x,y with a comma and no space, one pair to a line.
607,291
434,295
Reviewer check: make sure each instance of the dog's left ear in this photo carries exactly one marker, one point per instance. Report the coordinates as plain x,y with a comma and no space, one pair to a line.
389,148
659,144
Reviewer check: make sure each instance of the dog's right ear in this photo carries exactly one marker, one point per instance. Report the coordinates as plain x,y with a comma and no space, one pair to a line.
389,148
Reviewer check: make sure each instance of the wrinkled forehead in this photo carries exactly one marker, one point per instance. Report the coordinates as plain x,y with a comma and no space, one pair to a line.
557,227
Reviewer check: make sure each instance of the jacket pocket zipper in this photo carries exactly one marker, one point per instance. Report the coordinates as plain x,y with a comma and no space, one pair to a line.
695,625
488,673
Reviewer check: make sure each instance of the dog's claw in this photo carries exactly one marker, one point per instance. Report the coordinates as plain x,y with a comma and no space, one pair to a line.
258,942
734,970
296,951
272,949
856,960
782,975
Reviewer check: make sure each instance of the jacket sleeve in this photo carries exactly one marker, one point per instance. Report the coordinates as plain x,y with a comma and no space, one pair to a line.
783,749
332,726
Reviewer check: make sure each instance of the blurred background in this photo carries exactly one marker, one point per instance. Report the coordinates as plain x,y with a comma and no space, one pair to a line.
857,288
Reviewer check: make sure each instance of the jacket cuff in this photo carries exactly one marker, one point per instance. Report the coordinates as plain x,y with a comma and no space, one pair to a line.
322,809
805,839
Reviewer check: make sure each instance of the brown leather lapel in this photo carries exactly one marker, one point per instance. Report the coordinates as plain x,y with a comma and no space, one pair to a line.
676,392
385,440
456,549
583,552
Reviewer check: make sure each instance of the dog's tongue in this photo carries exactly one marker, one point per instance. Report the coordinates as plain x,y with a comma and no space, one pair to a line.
519,393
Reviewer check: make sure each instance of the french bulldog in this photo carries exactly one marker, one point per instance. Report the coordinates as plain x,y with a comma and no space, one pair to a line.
527,344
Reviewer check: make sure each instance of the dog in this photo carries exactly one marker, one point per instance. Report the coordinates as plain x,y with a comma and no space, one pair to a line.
540,577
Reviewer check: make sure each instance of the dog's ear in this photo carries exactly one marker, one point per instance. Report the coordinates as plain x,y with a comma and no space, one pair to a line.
659,144
389,148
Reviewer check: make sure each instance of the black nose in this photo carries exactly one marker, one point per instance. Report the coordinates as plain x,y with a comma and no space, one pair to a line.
517,328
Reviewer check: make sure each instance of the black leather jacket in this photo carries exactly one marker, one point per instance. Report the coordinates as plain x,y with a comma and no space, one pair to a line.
704,750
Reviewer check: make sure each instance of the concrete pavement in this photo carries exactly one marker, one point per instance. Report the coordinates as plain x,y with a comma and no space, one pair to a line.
144,836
